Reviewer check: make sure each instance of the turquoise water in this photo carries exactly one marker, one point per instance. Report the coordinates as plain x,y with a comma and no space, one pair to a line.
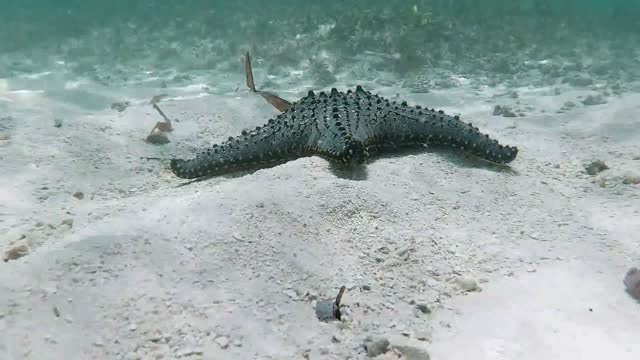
112,40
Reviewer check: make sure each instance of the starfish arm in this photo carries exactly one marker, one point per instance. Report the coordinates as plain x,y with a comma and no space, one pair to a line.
282,138
400,125
442,129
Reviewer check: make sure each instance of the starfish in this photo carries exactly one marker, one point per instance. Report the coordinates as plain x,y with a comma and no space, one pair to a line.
343,127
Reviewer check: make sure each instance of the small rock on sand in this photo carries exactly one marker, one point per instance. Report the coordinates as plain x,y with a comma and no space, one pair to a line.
15,253
187,352
567,106
631,180
466,283
222,341
632,282
500,110
423,308
596,167
132,356
120,106
410,349
376,347
594,100
580,81
158,138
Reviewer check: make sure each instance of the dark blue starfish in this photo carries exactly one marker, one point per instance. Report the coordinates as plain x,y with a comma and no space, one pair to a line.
342,127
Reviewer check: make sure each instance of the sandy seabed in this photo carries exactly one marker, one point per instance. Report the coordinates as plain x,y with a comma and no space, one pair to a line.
440,253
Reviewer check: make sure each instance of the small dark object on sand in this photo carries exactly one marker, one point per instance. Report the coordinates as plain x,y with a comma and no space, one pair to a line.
594,100
159,138
15,253
631,180
120,106
632,282
328,310
596,167
500,110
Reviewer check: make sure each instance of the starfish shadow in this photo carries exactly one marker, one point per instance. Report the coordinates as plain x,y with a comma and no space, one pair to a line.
454,156
356,173
236,173
467,160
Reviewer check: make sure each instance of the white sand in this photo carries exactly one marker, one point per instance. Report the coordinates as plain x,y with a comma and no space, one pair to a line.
149,270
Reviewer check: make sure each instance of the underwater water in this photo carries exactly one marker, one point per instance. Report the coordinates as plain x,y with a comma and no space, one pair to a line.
113,41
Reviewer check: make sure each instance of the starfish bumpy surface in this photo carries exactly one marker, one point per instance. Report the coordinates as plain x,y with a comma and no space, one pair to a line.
342,127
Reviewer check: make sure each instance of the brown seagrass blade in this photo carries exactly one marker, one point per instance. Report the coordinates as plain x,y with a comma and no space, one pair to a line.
277,102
